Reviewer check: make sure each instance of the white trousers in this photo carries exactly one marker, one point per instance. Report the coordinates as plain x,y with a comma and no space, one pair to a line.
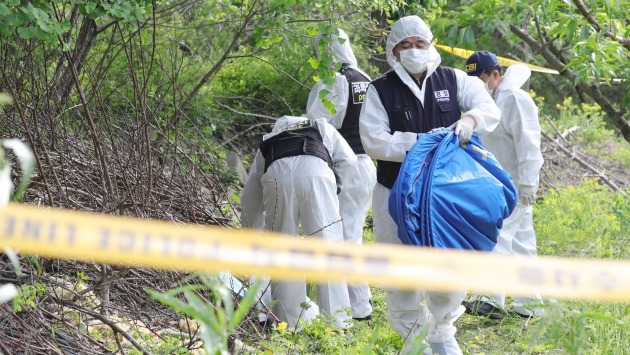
301,192
355,201
406,310
517,237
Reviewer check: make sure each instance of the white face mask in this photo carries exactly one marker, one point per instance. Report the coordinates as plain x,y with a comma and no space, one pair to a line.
414,60
487,86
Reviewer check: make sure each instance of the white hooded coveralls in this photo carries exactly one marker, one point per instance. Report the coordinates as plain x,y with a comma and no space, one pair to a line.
516,145
301,191
406,312
356,196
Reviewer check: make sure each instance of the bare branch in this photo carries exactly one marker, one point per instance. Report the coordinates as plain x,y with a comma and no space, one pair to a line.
245,113
219,63
585,164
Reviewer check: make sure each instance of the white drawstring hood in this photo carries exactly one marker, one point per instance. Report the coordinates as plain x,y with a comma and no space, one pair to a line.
411,26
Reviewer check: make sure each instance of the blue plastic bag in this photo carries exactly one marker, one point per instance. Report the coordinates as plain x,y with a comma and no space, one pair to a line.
451,196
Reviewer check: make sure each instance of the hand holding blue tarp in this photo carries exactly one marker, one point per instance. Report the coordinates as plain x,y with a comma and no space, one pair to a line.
449,195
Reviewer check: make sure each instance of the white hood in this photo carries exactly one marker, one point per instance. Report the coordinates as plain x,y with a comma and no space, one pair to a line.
411,26
515,76
342,52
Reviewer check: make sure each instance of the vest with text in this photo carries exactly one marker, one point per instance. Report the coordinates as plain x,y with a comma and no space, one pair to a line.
349,130
406,113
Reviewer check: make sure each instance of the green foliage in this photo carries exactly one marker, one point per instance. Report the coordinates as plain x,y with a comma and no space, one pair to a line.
586,38
318,337
593,53
40,19
218,317
585,328
259,85
28,296
124,10
586,221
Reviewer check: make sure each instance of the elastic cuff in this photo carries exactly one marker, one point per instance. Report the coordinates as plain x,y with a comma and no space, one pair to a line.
474,121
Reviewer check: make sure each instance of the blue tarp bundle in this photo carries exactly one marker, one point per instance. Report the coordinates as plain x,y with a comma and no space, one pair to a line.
451,196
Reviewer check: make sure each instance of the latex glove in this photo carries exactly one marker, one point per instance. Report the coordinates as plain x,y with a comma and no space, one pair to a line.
464,128
526,195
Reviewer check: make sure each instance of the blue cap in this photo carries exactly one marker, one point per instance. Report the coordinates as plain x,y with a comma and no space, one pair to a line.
480,61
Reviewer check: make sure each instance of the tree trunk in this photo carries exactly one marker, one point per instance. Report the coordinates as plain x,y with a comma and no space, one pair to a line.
62,83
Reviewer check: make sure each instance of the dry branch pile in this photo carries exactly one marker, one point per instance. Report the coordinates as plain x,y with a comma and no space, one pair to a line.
567,164
110,169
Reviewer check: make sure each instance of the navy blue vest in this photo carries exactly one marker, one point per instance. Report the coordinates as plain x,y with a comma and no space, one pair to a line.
349,130
406,114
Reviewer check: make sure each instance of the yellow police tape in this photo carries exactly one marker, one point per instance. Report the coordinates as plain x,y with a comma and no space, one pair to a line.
142,243
464,53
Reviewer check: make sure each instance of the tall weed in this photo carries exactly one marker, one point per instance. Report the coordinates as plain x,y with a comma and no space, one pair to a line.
585,221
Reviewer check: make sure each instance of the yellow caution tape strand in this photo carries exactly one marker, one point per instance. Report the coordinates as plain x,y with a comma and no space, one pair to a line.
133,242
464,53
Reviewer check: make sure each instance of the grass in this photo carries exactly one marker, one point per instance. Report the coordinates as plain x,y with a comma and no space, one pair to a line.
583,221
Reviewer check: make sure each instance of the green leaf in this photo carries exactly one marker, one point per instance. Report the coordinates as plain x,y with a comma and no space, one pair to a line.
312,31
27,32
314,63
246,304
469,37
453,34
330,81
329,106
323,93
571,29
5,100
171,301
4,10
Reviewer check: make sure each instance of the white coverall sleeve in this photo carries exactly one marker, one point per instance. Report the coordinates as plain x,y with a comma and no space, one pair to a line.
338,96
343,158
473,99
377,139
522,115
252,195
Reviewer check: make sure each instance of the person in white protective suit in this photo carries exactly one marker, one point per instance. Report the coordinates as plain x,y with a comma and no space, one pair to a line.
516,145
293,183
347,95
415,96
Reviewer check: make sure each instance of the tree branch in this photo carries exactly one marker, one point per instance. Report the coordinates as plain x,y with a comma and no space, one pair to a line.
587,15
219,63
588,166
616,117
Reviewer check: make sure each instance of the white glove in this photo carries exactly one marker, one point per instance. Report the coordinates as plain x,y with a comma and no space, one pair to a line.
526,195
464,128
